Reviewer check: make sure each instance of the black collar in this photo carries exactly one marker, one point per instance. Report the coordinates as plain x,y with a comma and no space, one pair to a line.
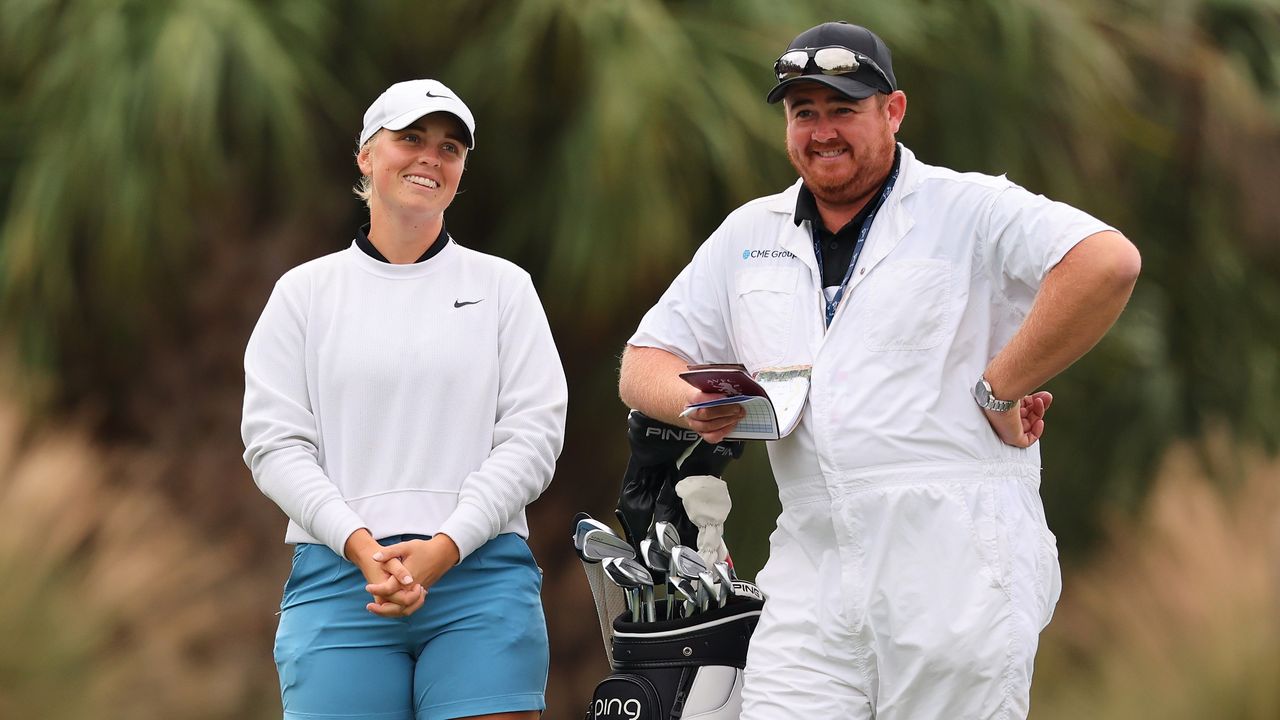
362,242
807,205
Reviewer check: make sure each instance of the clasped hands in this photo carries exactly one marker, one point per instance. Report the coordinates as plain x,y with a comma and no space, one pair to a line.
398,575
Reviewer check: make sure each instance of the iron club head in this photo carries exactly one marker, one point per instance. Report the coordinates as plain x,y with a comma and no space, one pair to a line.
635,578
598,545
686,593
687,564
724,581
708,588
667,536
655,557
584,524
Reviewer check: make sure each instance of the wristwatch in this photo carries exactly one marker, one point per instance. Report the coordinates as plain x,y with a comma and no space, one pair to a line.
987,401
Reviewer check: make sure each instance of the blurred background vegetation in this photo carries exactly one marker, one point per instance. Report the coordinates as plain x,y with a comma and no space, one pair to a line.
162,162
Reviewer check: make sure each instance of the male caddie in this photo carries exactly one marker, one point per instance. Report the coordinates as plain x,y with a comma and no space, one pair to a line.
911,570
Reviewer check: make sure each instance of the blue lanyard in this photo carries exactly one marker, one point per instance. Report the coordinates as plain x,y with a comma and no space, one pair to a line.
834,302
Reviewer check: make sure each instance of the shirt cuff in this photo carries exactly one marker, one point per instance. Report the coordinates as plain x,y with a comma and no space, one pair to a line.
468,527
333,524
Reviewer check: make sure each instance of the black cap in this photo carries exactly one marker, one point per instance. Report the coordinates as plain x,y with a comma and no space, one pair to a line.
865,81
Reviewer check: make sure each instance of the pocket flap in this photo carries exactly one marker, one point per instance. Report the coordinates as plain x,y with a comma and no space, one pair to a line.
777,279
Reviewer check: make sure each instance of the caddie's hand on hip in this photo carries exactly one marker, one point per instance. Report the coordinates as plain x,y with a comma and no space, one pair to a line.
1023,425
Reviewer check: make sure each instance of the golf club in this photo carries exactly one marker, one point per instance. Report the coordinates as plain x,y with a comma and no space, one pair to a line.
667,536
598,545
635,579
687,564
710,589
658,560
585,524
687,593
724,580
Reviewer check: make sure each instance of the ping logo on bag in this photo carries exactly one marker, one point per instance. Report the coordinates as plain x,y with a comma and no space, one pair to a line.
747,589
625,696
616,708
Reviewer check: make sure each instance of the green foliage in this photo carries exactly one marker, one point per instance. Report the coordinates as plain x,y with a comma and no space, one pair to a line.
1197,349
128,123
636,121
613,136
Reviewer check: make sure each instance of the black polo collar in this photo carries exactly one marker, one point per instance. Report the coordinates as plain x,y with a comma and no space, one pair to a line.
362,242
807,206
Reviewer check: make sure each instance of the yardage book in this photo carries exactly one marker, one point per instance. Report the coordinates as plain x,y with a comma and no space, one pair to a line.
773,398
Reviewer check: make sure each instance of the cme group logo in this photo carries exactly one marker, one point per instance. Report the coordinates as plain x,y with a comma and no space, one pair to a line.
774,254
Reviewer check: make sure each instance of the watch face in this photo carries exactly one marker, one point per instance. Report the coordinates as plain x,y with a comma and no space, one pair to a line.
981,393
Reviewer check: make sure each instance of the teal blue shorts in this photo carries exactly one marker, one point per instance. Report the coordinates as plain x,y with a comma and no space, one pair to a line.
477,646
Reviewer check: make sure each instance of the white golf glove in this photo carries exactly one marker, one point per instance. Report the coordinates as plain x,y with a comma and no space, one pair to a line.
706,502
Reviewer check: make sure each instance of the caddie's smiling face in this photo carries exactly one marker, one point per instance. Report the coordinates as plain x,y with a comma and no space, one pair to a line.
843,148
415,170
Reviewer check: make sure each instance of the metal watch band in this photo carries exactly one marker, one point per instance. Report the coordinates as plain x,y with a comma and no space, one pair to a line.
987,400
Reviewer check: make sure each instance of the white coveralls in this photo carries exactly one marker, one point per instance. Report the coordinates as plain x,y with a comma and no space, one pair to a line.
911,569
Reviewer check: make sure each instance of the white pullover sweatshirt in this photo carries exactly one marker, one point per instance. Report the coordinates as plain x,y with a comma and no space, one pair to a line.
417,398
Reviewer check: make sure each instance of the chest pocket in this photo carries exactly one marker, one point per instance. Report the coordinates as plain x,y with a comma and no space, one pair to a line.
908,305
763,305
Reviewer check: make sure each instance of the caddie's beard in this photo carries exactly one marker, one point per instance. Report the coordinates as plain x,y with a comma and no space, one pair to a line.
871,165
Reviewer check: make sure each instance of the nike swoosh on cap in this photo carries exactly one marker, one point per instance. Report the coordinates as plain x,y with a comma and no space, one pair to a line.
459,303
438,96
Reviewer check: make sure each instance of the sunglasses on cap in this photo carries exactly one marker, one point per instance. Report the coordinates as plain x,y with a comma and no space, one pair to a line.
830,60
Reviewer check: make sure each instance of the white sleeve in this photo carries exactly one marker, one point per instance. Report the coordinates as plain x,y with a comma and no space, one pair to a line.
1028,234
278,428
691,319
528,430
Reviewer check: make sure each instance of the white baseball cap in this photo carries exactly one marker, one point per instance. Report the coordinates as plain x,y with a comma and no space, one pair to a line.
399,105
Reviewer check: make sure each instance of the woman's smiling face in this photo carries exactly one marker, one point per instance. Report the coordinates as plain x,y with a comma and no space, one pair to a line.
415,171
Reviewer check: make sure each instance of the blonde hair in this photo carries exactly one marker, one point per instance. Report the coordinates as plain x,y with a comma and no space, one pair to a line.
364,186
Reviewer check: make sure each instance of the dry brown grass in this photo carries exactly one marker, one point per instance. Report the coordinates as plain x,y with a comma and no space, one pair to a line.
110,606
1180,615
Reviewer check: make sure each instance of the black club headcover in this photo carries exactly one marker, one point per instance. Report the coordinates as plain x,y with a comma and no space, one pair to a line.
648,486
704,459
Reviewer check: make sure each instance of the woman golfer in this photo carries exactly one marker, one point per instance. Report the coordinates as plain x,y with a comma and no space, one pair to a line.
403,403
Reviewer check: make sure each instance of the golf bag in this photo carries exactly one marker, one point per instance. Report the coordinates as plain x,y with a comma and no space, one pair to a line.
688,667
682,669
661,455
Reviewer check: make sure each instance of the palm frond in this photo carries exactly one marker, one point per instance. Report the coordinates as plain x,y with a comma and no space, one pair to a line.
132,120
